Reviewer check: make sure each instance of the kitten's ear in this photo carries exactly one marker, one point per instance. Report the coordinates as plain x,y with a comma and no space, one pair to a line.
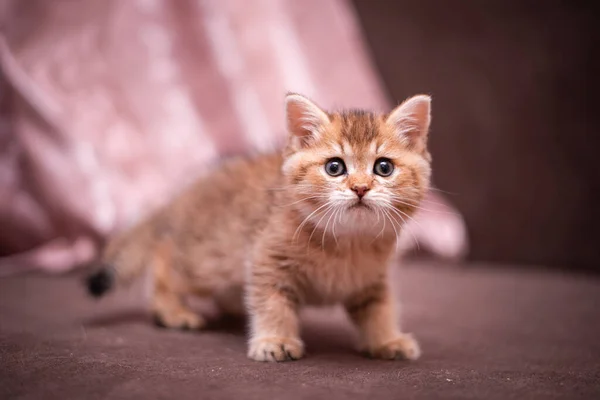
305,120
411,120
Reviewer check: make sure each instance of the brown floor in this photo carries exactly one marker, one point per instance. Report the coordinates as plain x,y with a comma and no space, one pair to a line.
486,334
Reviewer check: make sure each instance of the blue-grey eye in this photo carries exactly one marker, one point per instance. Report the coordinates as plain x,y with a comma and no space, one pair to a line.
335,167
383,167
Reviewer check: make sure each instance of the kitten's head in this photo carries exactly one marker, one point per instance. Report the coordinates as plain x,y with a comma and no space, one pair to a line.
355,170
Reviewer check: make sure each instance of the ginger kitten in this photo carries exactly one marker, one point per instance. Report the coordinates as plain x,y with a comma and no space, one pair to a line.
316,225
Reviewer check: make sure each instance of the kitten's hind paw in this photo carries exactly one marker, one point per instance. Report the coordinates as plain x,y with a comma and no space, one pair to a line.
181,320
275,349
404,347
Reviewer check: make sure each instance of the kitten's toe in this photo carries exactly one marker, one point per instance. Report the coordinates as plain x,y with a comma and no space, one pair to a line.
275,349
184,320
404,347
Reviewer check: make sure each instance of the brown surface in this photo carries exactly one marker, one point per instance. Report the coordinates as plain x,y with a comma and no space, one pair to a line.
485,333
514,130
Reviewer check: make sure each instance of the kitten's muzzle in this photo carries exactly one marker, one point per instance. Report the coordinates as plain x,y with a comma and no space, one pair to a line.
360,190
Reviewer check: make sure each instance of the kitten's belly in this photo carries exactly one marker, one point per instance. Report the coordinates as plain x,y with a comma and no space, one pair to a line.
213,270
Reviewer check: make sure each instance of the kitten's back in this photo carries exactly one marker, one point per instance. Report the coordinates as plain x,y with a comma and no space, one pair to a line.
212,224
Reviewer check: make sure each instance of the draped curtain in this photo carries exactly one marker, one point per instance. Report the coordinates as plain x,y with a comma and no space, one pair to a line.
108,107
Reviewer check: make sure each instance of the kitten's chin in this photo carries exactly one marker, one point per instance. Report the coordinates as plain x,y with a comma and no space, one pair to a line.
364,211
361,218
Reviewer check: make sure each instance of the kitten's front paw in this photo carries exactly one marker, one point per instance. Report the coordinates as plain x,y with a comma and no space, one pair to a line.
404,347
275,349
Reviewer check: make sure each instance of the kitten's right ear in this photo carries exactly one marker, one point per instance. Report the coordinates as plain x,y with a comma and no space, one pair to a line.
305,120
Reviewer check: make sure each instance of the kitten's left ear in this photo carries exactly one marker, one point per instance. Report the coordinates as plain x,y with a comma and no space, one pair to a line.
305,120
410,120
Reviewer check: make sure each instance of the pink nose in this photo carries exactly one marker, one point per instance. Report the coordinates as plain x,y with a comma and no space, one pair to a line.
360,190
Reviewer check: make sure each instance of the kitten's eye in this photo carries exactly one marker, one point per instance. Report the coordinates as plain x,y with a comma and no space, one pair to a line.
383,167
335,167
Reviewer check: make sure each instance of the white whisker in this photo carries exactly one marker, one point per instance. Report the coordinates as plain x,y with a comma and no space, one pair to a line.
400,213
327,225
387,214
335,219
318,222
304,199
442,191
306,220
382,228
406,227
400,200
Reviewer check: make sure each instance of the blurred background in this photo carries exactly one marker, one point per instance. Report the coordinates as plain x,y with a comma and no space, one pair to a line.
516,123
107,108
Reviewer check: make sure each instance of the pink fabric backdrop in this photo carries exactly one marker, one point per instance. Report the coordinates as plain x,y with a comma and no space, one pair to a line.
108,107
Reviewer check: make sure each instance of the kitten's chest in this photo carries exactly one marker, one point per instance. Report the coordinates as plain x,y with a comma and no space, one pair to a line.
335,278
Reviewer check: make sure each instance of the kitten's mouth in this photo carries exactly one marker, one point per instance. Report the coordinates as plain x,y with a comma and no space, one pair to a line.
359,205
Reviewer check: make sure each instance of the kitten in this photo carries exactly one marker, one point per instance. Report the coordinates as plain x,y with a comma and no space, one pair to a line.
316,225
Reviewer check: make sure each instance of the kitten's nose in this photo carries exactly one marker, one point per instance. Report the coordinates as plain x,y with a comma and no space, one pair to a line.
360,190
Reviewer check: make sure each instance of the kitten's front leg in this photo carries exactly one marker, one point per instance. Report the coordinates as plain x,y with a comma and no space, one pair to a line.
374,313
273,311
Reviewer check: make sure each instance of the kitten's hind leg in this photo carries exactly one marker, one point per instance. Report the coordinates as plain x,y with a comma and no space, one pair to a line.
168,301
170,311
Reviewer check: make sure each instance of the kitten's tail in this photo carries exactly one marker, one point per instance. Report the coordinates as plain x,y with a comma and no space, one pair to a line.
124,257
